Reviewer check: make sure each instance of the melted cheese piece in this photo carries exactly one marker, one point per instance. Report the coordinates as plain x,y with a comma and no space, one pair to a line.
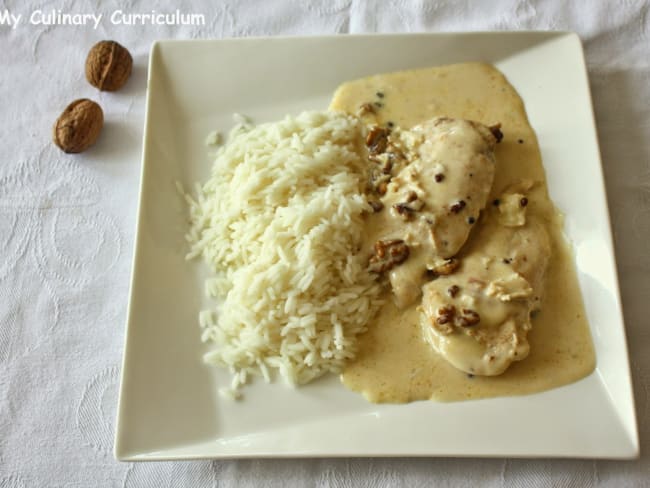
395,363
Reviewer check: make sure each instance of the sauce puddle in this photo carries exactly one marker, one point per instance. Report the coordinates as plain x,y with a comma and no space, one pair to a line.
394,363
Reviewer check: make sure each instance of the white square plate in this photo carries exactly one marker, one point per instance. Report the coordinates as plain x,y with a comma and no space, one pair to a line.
169,407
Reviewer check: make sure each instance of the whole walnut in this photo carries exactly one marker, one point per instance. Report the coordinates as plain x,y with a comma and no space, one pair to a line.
108,66
79,126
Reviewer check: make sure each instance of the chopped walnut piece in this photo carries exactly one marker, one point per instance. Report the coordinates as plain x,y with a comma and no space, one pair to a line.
496,132
365,108
447,267
378,181
453,290
446,314
387,255
376,205
414,201
458,206
468,318
387,167
377,140
444,321
448,318
404,210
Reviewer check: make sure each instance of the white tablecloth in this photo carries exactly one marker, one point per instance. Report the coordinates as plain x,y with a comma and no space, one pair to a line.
67,226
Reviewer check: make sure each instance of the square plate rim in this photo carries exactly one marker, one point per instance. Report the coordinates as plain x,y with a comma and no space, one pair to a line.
544,35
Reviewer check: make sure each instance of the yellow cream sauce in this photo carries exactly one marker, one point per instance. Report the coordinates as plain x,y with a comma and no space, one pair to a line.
394,363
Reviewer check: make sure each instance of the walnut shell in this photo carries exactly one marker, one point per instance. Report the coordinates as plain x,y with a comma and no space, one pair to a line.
108,66
79,126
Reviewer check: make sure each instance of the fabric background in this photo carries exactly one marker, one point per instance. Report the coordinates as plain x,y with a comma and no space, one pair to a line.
67,227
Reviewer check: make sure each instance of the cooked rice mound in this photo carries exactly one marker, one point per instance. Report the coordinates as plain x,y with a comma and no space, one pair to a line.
280,224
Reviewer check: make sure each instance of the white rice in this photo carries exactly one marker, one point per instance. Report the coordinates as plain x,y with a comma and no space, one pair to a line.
280,224
213,138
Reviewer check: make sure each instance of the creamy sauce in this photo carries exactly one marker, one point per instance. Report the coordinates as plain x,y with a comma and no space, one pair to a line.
395,363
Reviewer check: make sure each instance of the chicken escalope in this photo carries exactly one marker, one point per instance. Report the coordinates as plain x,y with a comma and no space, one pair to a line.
444,169
479,317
